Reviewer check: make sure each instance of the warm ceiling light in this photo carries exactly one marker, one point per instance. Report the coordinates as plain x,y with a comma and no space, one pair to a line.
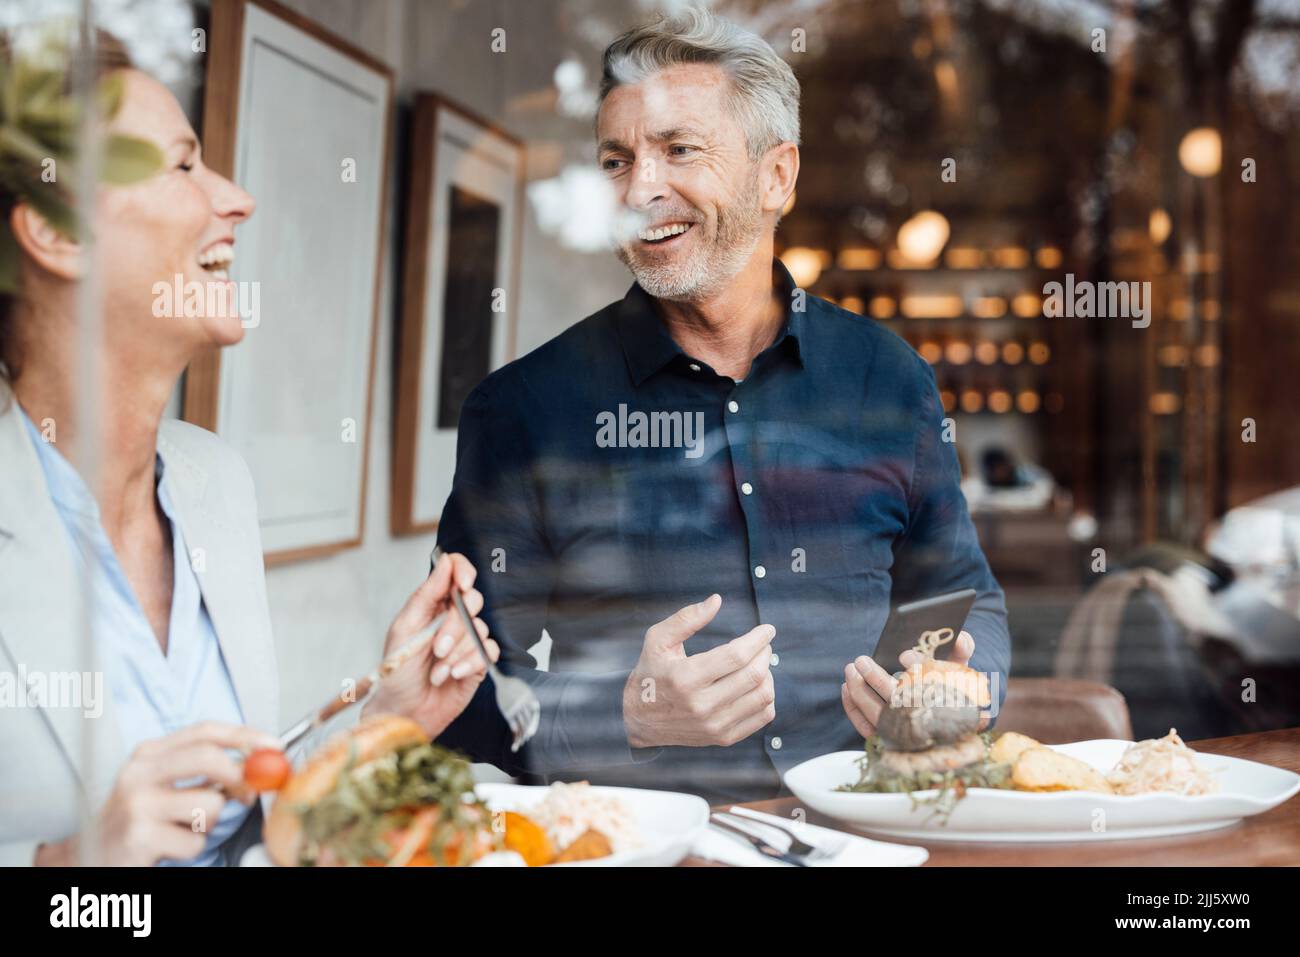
989,307
957,352
1048,257
897,260
1013,353
1159,225
949,400
1211,310
1027,305
1039,353
883,307
922,238
930,351
986,353
805,265
1201,151
971,401
962,257
999,401
1027,401
859,257
853,304
1165,403
932,307
1171,357
1207,355
945,78
1011,257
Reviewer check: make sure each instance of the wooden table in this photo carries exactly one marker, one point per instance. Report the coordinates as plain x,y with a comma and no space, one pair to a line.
1271,838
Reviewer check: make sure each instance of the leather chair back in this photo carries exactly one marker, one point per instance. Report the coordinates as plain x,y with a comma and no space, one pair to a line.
1060,710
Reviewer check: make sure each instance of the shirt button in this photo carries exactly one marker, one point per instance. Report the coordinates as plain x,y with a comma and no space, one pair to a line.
759,571
775,659
776,743
733,406
695,367
747,488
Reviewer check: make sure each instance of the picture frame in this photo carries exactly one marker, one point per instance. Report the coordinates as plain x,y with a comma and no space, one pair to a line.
295,396
459,313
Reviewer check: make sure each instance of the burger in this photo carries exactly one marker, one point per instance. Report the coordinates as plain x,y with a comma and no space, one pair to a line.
928,737
380,794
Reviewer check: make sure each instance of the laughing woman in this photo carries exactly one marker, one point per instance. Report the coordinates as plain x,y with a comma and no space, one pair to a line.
172,673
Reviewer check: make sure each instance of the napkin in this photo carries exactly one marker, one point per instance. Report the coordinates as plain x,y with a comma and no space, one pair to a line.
857,851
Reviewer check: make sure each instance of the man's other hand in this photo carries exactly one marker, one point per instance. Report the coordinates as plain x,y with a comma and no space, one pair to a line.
716,697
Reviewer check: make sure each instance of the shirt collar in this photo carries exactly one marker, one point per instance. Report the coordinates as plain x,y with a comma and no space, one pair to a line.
67,488
648,347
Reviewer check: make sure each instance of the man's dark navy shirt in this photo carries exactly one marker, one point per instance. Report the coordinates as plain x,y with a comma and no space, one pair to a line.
825,490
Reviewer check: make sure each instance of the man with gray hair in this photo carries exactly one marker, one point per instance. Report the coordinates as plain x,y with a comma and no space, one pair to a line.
818,491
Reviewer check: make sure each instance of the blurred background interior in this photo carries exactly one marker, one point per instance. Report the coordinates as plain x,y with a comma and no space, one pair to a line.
1137,490
1161,455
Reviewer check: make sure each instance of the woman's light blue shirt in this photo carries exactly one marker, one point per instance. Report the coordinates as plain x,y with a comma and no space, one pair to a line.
154,694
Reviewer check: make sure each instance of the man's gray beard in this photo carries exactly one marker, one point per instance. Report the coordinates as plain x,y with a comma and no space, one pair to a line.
739,229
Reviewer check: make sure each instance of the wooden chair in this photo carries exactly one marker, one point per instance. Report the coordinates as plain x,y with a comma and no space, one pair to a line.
1060,710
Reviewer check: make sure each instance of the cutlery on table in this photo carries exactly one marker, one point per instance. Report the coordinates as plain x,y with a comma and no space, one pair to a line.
760,845
827,848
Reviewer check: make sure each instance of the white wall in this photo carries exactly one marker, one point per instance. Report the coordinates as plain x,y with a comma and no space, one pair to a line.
330,615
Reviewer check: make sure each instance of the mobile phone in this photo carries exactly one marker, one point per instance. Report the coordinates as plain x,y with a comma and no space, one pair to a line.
909,622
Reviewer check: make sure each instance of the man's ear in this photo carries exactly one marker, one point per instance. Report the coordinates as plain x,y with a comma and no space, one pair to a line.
45,245
782,171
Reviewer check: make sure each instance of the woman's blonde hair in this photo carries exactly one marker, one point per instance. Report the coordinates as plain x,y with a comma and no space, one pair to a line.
110,55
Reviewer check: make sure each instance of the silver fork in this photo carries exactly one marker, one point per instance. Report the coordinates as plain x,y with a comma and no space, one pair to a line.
516,701
798,846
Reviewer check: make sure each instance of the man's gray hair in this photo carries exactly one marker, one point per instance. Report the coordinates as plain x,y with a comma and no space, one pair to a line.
764,91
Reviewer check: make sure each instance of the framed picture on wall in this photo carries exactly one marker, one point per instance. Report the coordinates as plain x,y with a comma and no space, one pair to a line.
460,277
301,120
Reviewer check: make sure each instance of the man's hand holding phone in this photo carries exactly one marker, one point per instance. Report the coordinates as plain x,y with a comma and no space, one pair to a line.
868,688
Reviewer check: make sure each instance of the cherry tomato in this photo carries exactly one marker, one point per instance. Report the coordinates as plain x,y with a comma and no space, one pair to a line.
266,769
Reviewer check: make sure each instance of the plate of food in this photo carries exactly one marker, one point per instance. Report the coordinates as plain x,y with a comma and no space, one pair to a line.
381,794
930,774
581,824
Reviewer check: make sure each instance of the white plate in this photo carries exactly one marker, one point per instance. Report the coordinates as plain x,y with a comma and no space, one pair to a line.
669,822
987,814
